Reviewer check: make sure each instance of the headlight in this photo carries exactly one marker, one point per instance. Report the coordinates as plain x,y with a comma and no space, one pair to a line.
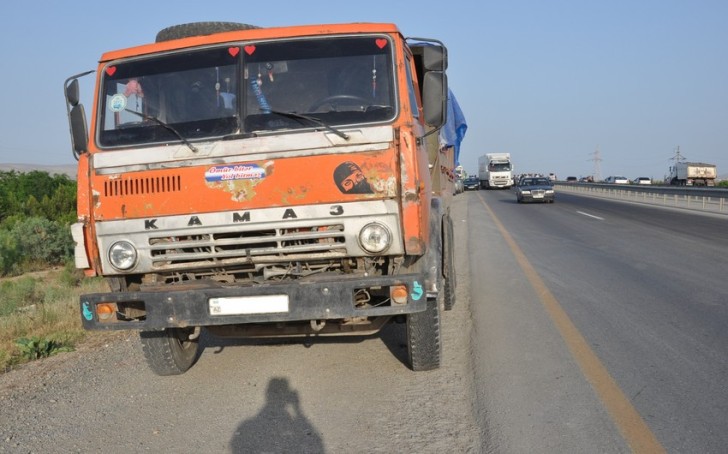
525,191
122,255
375,238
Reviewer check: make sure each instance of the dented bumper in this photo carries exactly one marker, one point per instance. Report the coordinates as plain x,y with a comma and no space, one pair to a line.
193,305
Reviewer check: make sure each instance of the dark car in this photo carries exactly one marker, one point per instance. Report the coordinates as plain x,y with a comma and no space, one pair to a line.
471,183
536,189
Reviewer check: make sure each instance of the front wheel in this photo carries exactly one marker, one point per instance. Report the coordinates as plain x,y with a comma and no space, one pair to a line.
170,352
423,338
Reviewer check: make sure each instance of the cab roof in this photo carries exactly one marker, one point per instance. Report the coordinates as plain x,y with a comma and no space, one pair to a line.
252,34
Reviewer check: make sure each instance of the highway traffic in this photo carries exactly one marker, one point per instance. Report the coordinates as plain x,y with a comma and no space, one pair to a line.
601,324
586,325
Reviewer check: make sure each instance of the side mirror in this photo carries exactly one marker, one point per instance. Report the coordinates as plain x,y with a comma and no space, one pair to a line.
79,133
434,58
434,98
76,114
72,93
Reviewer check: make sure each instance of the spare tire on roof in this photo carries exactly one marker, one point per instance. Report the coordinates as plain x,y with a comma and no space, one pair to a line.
199,29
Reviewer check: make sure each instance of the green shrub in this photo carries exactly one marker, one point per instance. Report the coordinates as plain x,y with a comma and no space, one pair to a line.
42,313
38,347
70,276
8,303
37,193
10,255
19,293
43,241
36,210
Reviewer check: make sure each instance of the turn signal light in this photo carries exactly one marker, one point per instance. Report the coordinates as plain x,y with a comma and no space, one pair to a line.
105,310
399,294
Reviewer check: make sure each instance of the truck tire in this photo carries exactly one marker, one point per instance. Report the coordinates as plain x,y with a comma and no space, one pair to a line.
423,338
199,29
169,352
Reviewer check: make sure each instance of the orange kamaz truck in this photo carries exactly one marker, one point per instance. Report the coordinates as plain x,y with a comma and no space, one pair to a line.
262,182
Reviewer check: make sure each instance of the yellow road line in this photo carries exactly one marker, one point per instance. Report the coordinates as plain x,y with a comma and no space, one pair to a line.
629,422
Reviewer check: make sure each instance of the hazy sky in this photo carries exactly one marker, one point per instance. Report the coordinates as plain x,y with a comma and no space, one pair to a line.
555,83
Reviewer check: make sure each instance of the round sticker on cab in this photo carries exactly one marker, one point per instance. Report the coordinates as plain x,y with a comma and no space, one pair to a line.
117,103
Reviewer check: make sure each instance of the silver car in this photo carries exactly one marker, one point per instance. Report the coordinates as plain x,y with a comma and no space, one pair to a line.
642,180
617,180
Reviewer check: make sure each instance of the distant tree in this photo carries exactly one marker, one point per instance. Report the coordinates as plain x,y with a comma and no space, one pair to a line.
37,193
36,210
62,202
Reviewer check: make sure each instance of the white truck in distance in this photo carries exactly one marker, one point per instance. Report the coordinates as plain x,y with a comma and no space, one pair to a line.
692,174
495,170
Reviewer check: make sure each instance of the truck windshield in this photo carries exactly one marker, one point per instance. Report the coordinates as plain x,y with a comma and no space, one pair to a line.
499,167
247,88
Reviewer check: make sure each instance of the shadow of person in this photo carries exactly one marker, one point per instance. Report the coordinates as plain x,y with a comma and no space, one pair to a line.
394,338
280,427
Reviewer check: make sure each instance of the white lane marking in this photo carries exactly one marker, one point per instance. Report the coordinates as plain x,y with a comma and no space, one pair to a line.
590,215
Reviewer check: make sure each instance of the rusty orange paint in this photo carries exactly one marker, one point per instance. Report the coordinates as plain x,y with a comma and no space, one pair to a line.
415,201
82,182
244,186
399,173
414,162
84,209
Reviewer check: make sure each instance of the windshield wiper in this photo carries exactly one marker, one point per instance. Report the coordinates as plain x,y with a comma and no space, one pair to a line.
315,120
165,126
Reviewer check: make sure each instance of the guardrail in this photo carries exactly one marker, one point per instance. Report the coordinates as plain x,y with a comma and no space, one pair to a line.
702,198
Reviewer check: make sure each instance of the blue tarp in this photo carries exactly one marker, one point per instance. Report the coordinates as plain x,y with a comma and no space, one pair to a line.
453,132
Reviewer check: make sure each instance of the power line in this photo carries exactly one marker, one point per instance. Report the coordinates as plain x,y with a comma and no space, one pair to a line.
597,167
678,157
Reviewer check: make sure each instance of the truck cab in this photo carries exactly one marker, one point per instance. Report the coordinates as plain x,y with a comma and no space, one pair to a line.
264,182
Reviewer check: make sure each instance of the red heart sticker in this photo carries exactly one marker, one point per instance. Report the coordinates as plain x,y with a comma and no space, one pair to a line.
249,49
110,70
233,51
381,42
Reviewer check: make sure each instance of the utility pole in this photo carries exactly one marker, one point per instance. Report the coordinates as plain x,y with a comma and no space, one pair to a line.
597,159
678,157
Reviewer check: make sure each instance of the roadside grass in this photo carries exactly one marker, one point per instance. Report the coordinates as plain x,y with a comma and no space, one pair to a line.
39,314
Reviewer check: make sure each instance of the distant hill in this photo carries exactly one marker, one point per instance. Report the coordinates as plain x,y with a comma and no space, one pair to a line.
69,169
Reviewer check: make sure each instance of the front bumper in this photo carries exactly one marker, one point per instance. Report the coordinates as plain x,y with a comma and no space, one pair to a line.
193,305
546,198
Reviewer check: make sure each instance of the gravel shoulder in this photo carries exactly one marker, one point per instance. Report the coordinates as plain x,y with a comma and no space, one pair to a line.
333,395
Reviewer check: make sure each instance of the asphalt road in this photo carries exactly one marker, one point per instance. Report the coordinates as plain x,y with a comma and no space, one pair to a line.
645,290
582,326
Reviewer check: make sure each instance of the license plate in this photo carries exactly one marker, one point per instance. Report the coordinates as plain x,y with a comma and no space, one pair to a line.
244,305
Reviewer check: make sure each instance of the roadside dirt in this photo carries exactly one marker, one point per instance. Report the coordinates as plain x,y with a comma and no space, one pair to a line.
333,395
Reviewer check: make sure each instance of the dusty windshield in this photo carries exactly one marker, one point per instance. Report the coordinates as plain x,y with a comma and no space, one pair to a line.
251,88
